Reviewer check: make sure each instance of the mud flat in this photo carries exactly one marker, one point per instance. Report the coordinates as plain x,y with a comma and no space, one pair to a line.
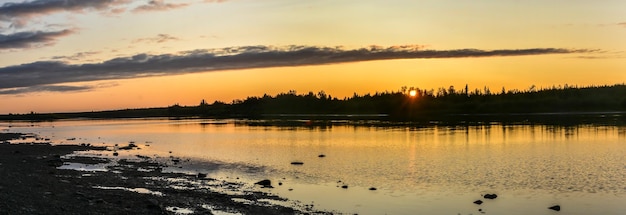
34,180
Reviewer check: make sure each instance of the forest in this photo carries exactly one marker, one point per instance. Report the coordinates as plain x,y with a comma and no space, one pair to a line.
407,103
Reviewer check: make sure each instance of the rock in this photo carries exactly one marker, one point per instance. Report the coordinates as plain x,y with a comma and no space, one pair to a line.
280,183
344,186
490,196
265,183
372,188
555,208
321,156
297,163
478,202
115,154
129,147
201,175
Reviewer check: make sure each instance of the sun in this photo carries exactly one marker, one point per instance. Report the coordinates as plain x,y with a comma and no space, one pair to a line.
413,93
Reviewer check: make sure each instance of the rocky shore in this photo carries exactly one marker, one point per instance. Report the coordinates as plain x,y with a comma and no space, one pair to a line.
32,183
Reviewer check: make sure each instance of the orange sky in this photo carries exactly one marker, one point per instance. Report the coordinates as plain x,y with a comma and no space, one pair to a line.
104,52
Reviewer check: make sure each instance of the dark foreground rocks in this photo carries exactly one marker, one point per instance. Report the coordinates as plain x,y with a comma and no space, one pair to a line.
265,183
555,208
31,183
490,196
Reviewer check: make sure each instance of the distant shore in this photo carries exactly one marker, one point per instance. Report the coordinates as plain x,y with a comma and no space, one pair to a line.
409,104
32,183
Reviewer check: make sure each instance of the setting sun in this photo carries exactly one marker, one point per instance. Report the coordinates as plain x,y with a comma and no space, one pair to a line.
413,93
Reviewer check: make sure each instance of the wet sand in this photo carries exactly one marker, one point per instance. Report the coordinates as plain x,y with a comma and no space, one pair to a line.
32,183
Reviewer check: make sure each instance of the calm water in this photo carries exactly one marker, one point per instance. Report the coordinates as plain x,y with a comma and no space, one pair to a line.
425,170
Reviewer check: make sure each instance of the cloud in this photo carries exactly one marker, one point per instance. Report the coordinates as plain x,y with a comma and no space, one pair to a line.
28,39
55,88
158,5
76,57
44,88
231,58
18,13
160,38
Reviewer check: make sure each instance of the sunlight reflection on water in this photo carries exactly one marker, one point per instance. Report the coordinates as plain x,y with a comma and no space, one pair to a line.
432,169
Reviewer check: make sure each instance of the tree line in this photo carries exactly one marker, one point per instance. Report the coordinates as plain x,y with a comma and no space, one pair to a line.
395,105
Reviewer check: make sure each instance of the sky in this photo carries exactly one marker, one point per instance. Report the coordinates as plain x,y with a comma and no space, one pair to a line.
90,55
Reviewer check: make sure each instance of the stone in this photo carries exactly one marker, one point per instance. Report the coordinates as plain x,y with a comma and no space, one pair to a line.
372,188
555,208
297,163
478,202
490,196
265,183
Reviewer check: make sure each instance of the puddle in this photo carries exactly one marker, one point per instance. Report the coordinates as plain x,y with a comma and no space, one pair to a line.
178,210
218,212
242,200
137,190
220,186
84,167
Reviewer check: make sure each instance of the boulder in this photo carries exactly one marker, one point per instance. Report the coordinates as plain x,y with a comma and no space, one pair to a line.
297,163
478,202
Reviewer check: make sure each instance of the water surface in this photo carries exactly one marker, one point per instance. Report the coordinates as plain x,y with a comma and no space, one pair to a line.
428,169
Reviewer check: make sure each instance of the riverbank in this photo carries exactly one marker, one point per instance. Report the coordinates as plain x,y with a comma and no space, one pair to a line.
33,183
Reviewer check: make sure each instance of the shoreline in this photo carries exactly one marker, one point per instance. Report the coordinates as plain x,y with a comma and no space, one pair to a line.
33,184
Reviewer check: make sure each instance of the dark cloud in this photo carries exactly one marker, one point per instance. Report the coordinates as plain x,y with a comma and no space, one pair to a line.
29,39
160,38
142,65
158,5
18,12
44,88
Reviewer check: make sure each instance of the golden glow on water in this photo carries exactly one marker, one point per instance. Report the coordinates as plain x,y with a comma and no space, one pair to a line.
433,162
